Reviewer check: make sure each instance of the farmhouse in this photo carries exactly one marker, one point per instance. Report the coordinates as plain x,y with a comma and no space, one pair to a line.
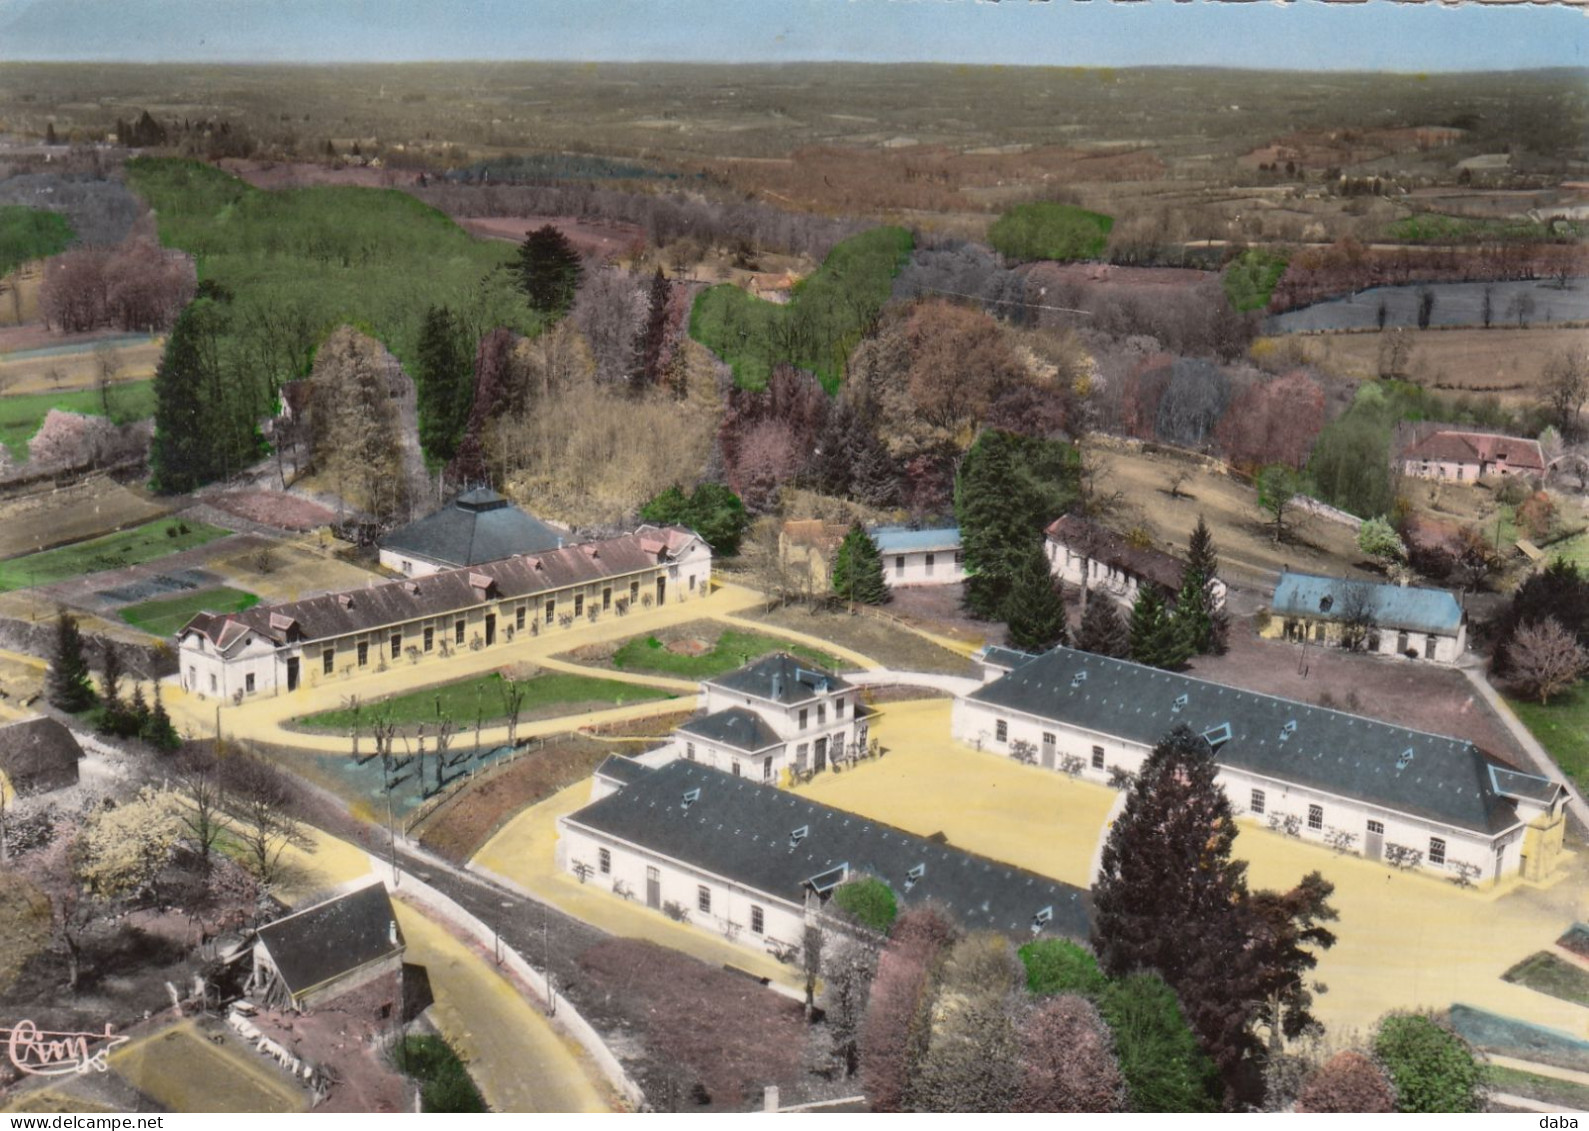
1387,620
270,649
36,756
1391,793
771,716
1466,457
920,557
478,526
751,862
326,950
1096,559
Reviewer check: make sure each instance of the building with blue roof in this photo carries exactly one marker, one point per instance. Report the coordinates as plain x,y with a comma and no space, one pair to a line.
920,557
1365,616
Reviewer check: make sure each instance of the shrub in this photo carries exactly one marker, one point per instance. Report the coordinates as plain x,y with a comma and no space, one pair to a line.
445,1085
1432,1068
870,901
1059,966
1048,230
1347,1082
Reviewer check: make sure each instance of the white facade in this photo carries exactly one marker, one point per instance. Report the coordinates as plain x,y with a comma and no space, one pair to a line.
1311,814
740,914
815,732
1098,576
1436,647
409,564
923,567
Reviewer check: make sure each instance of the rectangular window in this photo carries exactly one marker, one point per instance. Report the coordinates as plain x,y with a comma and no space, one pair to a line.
758,920
397,645
606,598
1437,851
929,565
838,708
1316,817
579,604
634,592
703,899
604,861
692,583
801,752
1376,828
457,632
1318,634
1097,757
960,558
1257,802
689,751
212,683
1001,731
1429,646
899,566
248,683
430,639
736,767
551,610
766,768
804,717
328,660
822,713
518,618
364,654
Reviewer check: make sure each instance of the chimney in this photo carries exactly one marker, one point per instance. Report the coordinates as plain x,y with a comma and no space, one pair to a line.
391,931
777,685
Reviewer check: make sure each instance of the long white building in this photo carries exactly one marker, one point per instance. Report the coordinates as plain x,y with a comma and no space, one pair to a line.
1326,776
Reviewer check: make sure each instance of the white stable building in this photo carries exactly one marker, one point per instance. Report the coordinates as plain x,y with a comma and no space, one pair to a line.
1096,559
276,649
920,557
1373,617
1355,783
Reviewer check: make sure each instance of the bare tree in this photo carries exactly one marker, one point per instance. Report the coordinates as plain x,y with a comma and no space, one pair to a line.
1545,659
204,811
263,802
1565,383
1356,613
107,368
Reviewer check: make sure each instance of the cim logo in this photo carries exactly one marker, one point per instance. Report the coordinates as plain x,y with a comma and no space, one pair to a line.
43,1052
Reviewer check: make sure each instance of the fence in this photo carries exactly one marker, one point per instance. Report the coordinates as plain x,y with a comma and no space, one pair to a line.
454,789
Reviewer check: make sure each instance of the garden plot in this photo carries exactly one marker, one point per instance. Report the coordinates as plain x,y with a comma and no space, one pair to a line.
43,519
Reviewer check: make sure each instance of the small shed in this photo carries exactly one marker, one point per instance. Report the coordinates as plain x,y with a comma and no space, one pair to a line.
37,756
326,950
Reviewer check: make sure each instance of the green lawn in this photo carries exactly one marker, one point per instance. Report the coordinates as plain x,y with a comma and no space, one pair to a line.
1251,277
30,233
459,701
21,416
1546,1088
165,615
733,649
1550,974
819,326
141,544
1046,230
1562,728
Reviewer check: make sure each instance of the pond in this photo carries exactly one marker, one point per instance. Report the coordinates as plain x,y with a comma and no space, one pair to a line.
1538,302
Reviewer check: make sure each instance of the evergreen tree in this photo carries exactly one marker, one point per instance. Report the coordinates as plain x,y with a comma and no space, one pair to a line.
858,569
711,510
991,525
67,683
160,733
1034,611
182,456
1202,559
1102,630
113,718
654,334
446,383
833,457
874,477
138,712
1156,639
548,271
1194,619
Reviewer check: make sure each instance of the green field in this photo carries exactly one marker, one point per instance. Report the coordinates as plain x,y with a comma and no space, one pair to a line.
1546,1088
1251,277
1438,228
1046,230
1553,975
819,326
459,701
21,416
733,649
165,615
1562,729
30,233
141,544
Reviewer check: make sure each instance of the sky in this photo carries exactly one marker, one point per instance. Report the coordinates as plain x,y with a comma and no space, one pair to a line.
1302,35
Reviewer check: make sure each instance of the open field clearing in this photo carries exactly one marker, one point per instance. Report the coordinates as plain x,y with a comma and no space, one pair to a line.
1230,508
164,616
602,240
21,680
48,518
19,305
291,570
696,650
1405,940
1562,728
890,644
72,365
1506,362
21,416
183,1070
114,551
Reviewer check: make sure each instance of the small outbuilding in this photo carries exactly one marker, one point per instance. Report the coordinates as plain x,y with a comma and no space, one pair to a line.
37,756
1366,616
325,950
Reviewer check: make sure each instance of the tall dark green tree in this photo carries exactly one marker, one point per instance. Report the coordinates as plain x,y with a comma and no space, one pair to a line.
712,510
1155,637
67,683
445,376
653,335
1103,631
182,456
1208,615
548,271
1034,611
858,569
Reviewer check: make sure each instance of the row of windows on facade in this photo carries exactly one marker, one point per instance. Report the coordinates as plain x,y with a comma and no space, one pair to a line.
766,763
1296,630
930,560
1258,800
703,894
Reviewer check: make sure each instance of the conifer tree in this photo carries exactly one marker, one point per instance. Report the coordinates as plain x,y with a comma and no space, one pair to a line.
446,383
1156,639
1034,611
181,457
653,335
991,524
858,569
67,683
548,270
1202,560
159,731
113,717
1103,631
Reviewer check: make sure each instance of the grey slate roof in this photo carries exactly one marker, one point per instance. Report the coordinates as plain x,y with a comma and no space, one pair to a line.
478,526
315,945
998,656
735,727
1527,786
1391,606
396,602
615,767
38,754
741,830
781,678
1445,779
